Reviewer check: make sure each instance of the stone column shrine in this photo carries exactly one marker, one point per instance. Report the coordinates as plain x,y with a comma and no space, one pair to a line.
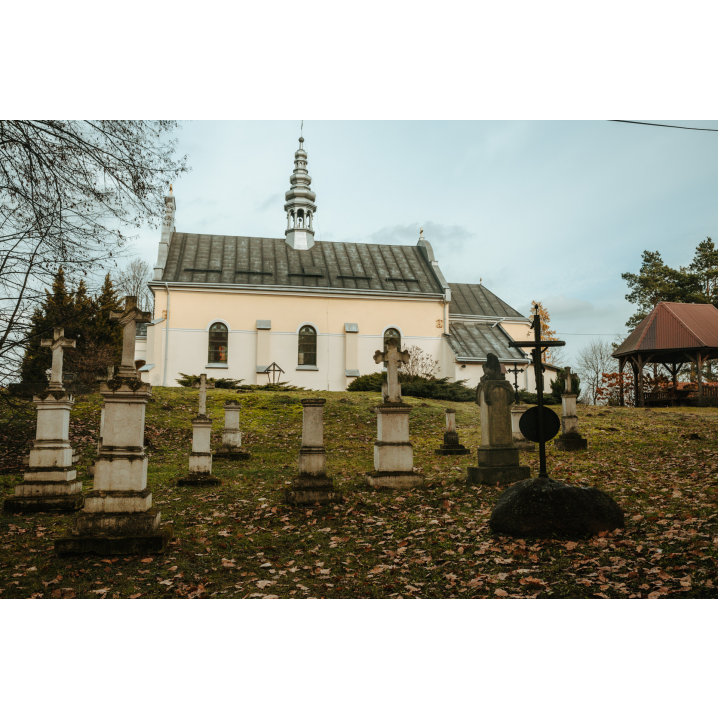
231,436
312,485
570,439
118,517
498,458
200,458
393,452
520,441
50,481
451,445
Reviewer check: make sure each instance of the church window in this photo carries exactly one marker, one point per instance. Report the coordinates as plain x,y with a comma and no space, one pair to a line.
218,344
391,334
307,346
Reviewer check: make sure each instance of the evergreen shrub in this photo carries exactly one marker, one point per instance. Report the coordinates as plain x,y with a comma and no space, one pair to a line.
417,386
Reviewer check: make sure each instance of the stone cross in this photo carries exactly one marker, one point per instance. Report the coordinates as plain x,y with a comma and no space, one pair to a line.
392,356
203,385
129,320
58,346
568,386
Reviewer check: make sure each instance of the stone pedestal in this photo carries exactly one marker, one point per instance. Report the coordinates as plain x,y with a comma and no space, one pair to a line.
498,459
393,452
231,436
520,441
200,459
451,445
570,439
312,485
50,483
118,517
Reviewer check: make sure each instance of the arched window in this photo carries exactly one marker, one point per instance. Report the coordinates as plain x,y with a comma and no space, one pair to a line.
217,344
307,346
391,334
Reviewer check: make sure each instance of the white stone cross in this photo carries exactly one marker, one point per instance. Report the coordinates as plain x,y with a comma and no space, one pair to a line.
58,346
392,356
129,319
203,386
567,380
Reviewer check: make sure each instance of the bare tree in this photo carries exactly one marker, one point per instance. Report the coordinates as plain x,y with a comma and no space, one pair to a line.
69,192
420,364
594,360
132,281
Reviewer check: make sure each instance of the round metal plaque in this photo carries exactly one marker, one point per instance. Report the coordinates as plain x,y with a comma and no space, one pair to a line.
528,424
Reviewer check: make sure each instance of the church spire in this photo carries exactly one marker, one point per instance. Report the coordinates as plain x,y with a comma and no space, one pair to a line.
300,207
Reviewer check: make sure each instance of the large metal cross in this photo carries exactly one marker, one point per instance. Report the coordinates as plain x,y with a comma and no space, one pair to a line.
129,320
58,346
393,357
538,346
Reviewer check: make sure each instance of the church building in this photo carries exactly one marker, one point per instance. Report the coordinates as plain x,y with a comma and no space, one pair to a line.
238,307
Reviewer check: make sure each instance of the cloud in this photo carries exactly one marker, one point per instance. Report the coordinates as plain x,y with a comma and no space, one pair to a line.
272,202
451,236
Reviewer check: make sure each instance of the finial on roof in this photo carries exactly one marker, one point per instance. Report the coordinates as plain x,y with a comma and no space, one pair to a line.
170,189
480,280
421,233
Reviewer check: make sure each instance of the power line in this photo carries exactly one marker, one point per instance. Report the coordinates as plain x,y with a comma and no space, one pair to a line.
657,124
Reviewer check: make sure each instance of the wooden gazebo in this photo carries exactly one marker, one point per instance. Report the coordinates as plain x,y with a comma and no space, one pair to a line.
671,335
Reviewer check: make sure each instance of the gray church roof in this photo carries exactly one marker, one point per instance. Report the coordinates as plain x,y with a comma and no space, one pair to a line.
475,341
215,259
477,300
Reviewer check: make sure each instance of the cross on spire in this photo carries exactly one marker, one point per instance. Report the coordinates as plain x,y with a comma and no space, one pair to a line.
128,320
58,346
393,357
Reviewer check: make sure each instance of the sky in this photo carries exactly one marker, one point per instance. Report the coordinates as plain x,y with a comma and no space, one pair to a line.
552,211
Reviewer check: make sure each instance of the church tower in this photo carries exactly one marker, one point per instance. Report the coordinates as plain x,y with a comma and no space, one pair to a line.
300,207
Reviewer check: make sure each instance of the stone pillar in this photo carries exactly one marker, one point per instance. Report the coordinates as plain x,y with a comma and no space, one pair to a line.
570,439
264,333
520,441
231,436
498,459
118,517
312,485
451,445
50,481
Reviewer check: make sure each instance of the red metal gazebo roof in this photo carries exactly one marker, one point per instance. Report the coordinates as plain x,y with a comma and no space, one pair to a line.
672,326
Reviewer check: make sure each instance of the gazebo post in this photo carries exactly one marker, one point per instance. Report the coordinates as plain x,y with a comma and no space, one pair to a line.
699,376
621,366
635,381
674,375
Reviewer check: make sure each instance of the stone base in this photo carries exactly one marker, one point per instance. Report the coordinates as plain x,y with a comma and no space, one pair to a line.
497,456
32,504
115,545
543,507
524,445
117,524
312,490
497,475
570,442
230,453
452,449
394,479
199,480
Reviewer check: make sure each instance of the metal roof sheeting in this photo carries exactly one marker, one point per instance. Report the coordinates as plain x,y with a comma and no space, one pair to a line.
672,326
475,341
477,300
215,259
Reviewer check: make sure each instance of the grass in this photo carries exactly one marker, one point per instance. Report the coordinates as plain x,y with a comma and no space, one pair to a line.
239,540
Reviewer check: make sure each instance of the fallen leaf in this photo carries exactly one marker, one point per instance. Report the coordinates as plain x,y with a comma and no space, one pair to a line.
500,592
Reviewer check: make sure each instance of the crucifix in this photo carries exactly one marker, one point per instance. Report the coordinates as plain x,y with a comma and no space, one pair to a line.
203,385
538,346
129,320
568,380
516,371
58,346
393,357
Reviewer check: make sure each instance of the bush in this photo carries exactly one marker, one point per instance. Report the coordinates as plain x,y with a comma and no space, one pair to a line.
189,380
526,397
557,385
417,386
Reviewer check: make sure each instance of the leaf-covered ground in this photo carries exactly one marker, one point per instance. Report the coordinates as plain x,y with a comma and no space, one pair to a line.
239,540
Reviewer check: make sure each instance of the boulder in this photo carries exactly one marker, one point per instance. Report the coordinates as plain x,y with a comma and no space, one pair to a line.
542,507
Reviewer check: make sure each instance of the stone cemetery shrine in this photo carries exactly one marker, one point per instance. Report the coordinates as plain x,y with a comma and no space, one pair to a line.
323,494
